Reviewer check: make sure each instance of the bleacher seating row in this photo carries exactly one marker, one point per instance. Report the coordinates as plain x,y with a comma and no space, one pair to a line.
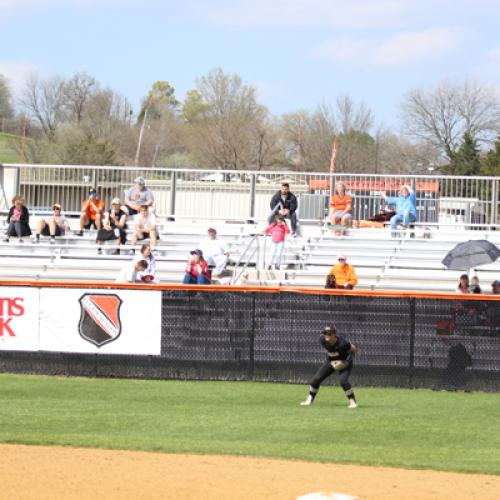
380,261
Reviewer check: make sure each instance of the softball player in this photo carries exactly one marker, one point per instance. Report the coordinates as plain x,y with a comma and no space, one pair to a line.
340,354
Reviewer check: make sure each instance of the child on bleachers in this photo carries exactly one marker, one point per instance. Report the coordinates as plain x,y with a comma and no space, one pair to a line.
278,231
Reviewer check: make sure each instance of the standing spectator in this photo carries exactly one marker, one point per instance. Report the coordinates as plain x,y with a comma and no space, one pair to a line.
406,209
278,231
113,227
197,269
341,209
284,203
214,252
137,196
148,275
92,211
145,227
474,285
130,272
463,284
18,219
57,225
345,275
495,287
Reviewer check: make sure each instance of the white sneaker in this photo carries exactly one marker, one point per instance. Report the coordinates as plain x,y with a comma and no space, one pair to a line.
308,402
352,404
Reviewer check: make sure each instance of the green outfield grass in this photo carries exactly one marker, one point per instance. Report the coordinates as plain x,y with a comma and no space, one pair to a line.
8,150
392,427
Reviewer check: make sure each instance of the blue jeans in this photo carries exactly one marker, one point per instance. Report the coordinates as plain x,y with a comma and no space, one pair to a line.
405,219
277,251
189,279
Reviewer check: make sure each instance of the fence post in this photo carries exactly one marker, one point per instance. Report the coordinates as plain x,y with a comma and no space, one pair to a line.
253,184
412,341
251,347
173,190
494,202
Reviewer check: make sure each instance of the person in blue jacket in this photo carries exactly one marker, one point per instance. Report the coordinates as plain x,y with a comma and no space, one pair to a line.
406,208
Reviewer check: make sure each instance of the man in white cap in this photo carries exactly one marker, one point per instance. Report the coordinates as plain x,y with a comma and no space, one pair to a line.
137,196
214,252
345,275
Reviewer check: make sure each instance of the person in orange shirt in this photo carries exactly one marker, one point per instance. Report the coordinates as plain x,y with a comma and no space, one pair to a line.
345,275
341,209
91,215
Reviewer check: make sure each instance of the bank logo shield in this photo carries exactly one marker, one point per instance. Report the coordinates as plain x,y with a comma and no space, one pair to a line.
100,318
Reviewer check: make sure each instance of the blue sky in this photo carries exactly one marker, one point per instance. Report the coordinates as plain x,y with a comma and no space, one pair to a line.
296,52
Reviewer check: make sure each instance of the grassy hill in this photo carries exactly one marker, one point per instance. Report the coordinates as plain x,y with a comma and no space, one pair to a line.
8,148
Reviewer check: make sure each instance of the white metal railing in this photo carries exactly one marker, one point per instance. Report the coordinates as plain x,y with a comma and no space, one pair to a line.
245,195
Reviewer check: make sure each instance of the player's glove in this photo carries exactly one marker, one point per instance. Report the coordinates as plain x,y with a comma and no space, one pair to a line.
339,365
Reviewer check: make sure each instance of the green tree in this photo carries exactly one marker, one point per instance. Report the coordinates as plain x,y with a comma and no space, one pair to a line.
6,110
466,160
193,106
491,161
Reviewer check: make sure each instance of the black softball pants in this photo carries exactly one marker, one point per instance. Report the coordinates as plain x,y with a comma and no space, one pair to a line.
325,370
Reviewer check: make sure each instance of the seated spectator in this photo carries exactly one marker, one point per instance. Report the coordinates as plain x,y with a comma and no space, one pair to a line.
330,281
341,209
463,284
284,203
345,275
148,275
18,219
495,287
92,212
57,225
474,285
131,271
406,209
214,252
145,227
113,227
138,196
197,269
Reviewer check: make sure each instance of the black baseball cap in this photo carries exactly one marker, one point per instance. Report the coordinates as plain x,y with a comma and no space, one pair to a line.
197,251
329,330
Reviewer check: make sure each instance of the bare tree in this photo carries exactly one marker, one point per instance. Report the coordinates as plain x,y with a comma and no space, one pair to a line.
6,109
43,100
77,93
441,116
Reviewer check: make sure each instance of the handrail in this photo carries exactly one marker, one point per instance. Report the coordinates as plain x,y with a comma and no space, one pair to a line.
243,254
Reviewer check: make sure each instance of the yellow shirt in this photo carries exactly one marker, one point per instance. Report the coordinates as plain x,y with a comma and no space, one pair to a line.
344,274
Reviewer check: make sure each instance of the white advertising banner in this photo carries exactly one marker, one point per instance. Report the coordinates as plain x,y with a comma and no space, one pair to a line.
100,321
19,318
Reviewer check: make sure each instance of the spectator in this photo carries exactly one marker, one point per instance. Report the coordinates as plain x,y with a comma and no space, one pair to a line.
495,287
113,227
341,209
463,284
138,196
215,252
345,275
474,285
278,231
148,275
197,269
145,227
131,271
18,219
57,225
406,211
92,211
284,203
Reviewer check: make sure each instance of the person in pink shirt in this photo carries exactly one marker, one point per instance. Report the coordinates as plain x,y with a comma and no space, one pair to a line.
278,231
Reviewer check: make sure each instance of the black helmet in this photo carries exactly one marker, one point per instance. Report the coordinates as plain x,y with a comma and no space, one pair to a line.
329,330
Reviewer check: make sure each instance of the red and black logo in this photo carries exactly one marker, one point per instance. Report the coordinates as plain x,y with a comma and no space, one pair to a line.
100,318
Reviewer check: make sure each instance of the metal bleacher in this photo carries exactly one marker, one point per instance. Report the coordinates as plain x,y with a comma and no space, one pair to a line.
381,263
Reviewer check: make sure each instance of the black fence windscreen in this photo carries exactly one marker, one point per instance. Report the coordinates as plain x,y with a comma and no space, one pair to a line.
233,335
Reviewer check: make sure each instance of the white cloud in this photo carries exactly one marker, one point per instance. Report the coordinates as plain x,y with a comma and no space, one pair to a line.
16,73
401,49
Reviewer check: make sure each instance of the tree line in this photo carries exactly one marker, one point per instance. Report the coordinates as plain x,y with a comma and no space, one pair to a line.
452,128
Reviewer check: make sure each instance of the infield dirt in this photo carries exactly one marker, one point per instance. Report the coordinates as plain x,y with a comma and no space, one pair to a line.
41,472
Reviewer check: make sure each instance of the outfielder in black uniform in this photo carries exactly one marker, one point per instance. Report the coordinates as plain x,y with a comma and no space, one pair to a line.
340,354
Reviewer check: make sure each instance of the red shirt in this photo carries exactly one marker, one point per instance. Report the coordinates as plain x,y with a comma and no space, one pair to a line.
192,269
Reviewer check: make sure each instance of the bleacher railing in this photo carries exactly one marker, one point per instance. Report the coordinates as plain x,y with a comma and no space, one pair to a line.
245,195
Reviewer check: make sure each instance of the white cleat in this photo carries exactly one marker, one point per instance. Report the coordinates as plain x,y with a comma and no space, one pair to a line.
308,402
352,404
